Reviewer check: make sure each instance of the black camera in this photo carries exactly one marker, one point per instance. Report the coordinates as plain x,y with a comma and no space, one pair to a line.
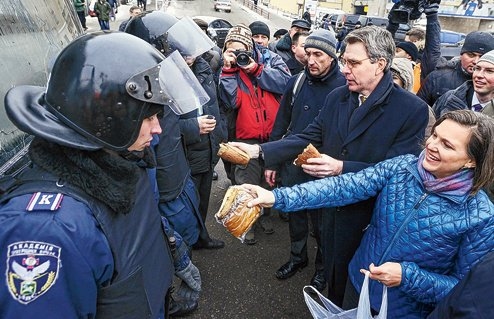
243,57
406,10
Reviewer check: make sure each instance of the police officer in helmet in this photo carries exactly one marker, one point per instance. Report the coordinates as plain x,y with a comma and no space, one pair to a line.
81,234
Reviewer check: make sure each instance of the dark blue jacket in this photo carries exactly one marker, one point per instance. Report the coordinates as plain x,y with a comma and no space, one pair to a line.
391,122
472,297
446,77
202,149
293,119
68,256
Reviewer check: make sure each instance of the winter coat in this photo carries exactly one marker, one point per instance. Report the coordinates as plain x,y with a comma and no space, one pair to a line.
436,238
294,118
389,123
472,297
446,77
254,96
79,5
431,55
283,47
102,8
459,99
82,248
202,149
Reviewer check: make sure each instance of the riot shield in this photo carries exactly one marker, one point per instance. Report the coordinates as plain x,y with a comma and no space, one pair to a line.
31,35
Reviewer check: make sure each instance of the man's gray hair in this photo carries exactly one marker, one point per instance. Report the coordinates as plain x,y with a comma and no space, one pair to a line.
378,43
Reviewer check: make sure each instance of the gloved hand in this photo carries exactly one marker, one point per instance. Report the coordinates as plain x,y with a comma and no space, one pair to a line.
191,276
432,7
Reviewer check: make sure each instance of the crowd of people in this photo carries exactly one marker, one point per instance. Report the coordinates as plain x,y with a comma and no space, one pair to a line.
123,159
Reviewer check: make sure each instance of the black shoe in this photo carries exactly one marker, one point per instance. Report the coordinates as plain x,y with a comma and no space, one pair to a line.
210,244
318,281
215,176
180,308
289,269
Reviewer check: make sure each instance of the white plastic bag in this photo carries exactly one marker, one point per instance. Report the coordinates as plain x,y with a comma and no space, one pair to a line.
328,310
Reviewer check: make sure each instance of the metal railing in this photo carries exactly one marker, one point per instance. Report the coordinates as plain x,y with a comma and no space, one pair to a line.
256,8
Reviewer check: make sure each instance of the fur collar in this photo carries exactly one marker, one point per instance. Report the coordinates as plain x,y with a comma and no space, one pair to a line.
102,174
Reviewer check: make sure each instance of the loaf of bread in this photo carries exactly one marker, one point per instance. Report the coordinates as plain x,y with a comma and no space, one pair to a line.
233,154
309,152
234,213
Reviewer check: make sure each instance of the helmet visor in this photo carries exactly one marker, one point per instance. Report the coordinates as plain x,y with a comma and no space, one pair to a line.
186,37
171,83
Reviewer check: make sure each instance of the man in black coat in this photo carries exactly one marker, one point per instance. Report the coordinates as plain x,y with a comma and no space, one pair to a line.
297,111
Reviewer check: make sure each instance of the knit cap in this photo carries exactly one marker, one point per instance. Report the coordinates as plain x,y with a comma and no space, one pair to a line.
301,23
259,27
478,41
323,40
239,33
488,57
410,48
404,69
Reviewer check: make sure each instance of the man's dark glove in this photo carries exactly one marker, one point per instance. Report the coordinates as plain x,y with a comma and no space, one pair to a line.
432,7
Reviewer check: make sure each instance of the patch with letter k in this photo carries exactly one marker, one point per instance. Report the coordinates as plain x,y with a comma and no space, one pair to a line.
44,201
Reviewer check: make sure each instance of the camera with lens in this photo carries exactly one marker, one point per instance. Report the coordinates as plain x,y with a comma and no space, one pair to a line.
406,10
243,57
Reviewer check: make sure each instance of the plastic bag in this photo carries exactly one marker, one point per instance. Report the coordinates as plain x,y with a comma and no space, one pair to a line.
328,310
234,213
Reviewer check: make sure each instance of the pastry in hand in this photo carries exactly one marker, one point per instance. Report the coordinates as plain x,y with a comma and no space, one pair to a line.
233,154
309,152
234,213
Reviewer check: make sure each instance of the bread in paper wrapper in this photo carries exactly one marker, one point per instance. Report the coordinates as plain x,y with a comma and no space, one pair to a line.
233,154
234,213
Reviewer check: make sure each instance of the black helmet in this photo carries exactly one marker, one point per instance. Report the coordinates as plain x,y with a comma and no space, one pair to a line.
151,26
102,86
167,33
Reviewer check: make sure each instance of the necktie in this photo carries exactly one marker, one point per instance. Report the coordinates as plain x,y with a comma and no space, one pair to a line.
362,99
477,107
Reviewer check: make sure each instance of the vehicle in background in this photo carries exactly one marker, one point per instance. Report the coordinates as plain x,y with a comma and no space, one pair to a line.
452,37
371,20
225,5
351,20
401,33
217,29
337,19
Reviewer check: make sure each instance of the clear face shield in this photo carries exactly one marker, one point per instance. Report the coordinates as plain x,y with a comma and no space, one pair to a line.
186,37
171,83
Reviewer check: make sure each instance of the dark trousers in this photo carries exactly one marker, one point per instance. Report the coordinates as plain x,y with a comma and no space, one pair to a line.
82,18
342,229
298,225
203,182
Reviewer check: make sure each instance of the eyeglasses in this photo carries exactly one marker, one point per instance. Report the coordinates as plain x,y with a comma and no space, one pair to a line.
351,63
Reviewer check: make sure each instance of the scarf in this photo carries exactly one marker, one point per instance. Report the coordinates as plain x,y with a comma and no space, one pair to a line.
458,184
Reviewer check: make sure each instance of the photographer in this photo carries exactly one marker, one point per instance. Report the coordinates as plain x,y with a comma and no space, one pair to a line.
250,87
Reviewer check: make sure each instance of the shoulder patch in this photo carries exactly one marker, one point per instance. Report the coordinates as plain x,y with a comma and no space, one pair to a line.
32,269
45,201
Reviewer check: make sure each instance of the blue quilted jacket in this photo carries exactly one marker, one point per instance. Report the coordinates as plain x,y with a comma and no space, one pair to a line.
436,238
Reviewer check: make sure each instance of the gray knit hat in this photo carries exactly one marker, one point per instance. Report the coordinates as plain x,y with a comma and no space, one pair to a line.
323,40
488,57
404,69
478,41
